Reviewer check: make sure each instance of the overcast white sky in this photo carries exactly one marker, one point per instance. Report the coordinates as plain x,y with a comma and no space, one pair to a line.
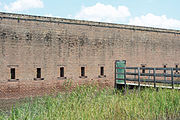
153,13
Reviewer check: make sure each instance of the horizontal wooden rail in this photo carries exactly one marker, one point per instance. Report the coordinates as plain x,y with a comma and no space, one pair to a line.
147,68
151,74
150,80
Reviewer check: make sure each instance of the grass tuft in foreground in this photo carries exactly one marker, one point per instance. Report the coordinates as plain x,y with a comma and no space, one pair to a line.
89,103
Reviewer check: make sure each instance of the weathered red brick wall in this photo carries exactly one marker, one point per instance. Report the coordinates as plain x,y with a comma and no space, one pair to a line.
30,42
16,90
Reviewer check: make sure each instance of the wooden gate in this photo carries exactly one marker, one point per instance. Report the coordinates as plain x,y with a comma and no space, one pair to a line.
119,78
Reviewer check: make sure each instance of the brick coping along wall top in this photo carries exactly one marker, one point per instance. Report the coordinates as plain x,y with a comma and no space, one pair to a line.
4,15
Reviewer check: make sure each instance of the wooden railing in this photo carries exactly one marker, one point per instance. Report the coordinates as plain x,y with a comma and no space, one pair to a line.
143,75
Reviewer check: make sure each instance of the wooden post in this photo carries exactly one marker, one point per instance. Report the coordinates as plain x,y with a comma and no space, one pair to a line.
139,78
115,85
134,75
149,73
172,78
154,76
125,78
165,71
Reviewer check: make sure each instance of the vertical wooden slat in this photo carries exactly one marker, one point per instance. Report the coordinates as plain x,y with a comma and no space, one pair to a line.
165,71
115,85
154,77
172,78
125,78
149,73
134,75
139,78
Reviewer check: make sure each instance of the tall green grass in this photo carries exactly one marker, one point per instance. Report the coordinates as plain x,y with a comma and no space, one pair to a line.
90,103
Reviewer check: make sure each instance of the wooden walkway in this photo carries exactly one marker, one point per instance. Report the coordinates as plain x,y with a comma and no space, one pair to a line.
146,85
146,76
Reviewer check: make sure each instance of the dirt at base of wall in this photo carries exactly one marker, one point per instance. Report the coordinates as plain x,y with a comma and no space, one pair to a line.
17,90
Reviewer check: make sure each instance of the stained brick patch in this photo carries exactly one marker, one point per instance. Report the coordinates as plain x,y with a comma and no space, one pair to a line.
39,88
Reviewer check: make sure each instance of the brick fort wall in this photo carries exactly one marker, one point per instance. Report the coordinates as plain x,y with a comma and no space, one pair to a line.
31,42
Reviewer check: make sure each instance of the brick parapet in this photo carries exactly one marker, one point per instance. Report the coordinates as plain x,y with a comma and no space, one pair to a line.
4,15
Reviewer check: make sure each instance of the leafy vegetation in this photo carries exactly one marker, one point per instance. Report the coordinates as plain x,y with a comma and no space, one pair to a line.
88,102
